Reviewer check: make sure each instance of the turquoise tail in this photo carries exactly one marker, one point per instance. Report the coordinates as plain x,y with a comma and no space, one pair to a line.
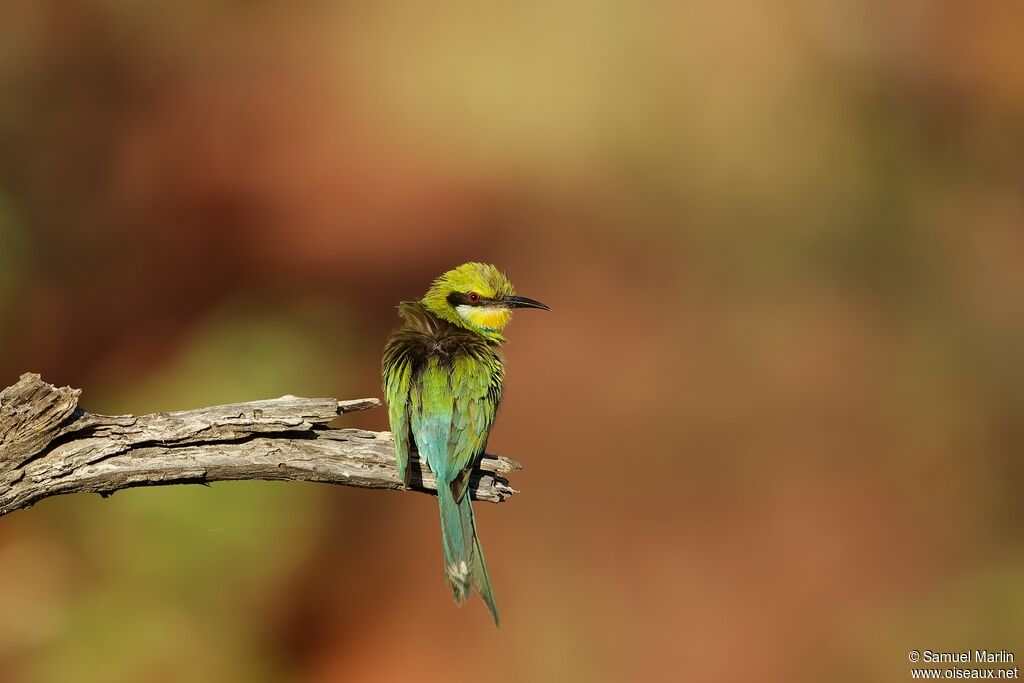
463,556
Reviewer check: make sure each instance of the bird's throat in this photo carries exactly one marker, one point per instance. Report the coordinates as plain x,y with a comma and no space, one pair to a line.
488,319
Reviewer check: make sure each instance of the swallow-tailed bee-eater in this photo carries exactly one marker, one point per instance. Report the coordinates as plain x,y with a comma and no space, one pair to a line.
442,373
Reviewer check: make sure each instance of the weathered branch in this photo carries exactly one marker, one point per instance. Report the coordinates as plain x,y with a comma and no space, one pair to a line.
50,446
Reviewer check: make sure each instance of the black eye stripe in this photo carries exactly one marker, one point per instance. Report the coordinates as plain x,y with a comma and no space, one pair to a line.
462,299
458,299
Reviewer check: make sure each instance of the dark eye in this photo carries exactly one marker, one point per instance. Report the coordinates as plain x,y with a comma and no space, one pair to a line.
474,298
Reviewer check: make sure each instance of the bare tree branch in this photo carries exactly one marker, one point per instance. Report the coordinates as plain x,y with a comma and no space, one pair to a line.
50,446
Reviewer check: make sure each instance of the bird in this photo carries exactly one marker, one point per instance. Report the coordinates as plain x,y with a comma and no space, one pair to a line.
442,373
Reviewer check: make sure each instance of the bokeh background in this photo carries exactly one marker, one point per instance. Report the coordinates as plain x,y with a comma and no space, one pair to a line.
772,429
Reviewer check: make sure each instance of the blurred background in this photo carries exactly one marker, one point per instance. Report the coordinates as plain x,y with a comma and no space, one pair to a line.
772,429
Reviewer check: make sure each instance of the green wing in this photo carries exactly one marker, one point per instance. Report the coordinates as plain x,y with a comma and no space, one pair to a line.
478,383
453,408
396,372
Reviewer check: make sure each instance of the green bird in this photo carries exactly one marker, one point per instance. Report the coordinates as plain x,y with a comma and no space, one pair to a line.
442,373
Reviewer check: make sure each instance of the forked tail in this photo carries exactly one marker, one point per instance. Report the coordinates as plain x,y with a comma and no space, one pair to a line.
463,556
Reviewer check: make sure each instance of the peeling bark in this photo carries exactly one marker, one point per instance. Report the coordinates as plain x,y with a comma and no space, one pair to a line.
50,446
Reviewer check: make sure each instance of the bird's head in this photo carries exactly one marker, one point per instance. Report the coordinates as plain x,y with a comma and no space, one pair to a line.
478,297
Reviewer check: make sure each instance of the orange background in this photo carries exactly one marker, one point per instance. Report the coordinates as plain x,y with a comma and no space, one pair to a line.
772,429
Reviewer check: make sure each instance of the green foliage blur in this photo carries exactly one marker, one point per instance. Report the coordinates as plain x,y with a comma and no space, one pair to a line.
772,429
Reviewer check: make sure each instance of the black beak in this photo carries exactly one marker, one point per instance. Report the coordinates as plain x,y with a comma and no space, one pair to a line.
523,302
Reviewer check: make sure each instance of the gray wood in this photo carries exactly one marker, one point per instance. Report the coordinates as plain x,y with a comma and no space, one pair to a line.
50,446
